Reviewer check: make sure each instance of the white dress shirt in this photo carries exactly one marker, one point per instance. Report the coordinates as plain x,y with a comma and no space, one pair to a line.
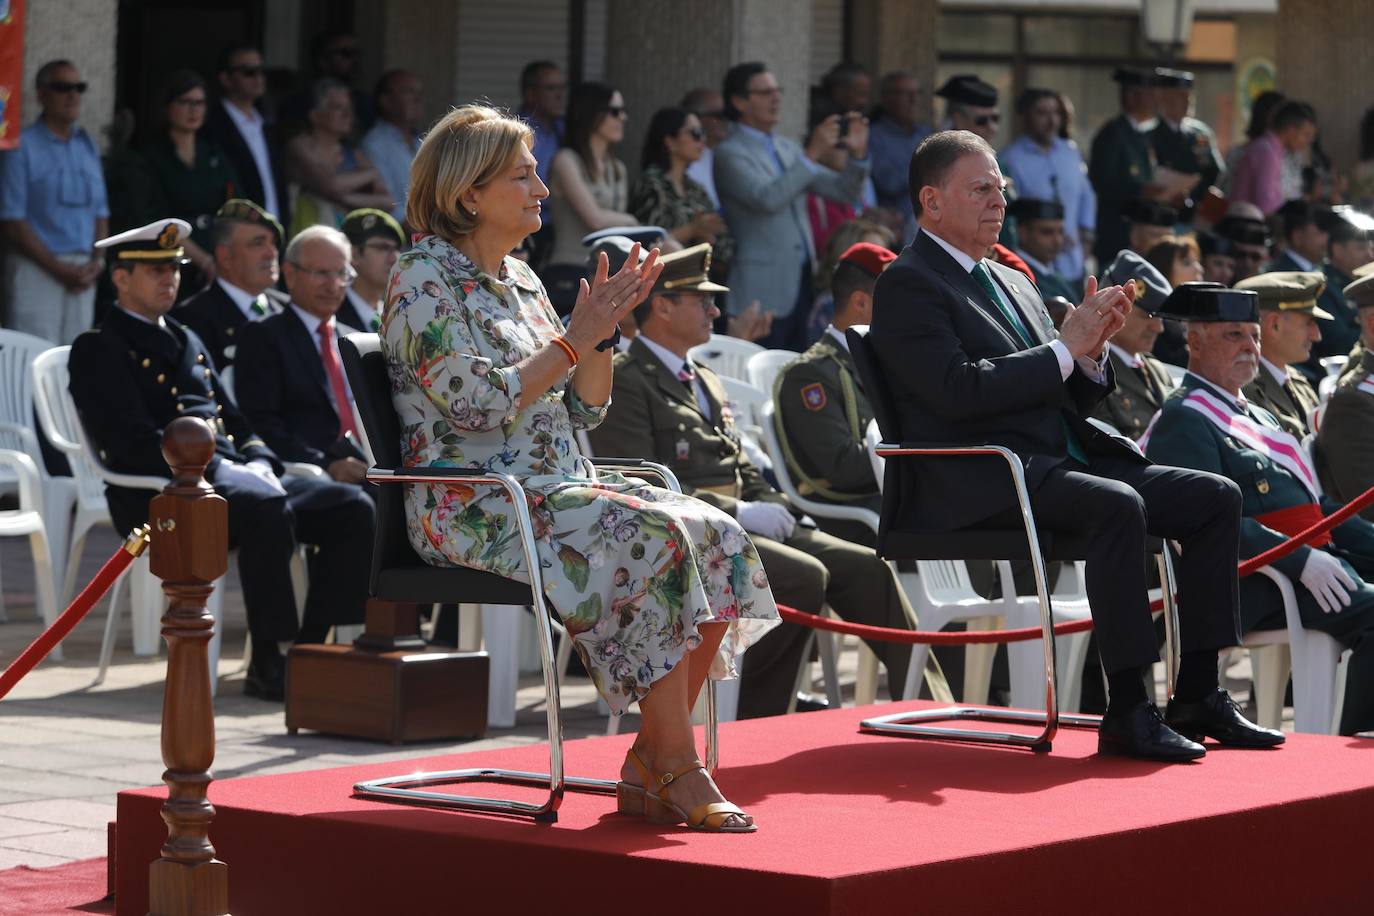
1303,263
250,127
240,297
1131,359
1093,368
366,311
1280,373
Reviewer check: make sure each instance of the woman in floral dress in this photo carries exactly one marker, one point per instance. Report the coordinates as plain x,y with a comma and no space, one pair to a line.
658,590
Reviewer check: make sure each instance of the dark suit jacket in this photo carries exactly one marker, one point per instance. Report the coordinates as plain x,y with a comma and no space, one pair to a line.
129,379
217,320
958,373
281,387
220,128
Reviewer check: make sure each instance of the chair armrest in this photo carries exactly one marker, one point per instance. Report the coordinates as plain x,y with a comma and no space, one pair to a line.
26,472
302,469
639,466
25,435
132,481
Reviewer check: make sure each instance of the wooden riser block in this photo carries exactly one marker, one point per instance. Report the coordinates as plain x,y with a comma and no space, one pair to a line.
386,696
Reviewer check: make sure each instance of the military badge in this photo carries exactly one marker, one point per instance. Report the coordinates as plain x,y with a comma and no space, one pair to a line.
813,396
683,449
1262,486
169,236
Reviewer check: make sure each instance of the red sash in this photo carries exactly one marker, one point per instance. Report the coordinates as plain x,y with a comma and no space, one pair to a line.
1295,520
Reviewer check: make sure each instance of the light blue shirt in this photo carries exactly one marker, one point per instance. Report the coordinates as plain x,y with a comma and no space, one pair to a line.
391,151
55,186
1055,174
890,147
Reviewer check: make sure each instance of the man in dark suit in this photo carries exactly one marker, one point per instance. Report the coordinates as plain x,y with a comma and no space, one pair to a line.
1142,382
246,240
139,370
235,123
290,382
972,356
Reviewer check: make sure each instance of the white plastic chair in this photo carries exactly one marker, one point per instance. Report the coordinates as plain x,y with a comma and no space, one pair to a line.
763,368
58,496
1317,661
726,356
27,521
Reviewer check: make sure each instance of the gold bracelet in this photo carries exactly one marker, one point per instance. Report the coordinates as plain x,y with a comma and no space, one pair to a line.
568,350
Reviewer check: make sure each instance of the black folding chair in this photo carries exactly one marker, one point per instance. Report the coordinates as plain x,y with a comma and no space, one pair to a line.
1027,543
398,574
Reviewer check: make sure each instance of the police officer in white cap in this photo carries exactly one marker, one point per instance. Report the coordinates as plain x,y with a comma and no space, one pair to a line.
136,372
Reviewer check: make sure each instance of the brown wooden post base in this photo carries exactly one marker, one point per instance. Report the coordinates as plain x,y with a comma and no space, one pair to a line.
387,686
201,889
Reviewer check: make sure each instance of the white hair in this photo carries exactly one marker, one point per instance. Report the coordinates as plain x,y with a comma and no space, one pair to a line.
318,234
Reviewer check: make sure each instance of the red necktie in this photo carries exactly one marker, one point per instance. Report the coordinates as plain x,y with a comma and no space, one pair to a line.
334,372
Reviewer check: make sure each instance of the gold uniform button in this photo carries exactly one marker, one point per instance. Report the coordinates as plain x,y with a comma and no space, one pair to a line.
219,408
180,406
208,373
174,391
200,357
161,377
147,363
1262,486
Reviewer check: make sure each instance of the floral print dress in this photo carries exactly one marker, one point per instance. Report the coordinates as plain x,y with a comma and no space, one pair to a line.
632,570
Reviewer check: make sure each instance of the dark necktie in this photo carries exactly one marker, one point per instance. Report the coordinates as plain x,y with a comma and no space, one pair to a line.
686,375
334,372
259,305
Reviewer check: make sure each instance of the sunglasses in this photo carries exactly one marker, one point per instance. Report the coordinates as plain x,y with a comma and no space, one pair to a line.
246,70
985,120
718,114
616,111
344,52
696,133
59,86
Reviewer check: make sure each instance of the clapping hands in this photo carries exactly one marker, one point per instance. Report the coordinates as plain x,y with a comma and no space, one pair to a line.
1087,328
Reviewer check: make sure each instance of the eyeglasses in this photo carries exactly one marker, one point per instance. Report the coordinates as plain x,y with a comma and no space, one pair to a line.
347,275
776,90
64,87
985,120
247,70
190,103
616,111
552,87
696,133
705,300
718,114
382,246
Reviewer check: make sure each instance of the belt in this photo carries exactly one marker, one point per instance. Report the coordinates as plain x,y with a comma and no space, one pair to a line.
1295,520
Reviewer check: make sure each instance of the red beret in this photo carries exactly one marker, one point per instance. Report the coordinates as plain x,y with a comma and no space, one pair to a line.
870,257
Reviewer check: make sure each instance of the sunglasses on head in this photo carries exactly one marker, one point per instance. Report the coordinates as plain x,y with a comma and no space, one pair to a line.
985,120
61,86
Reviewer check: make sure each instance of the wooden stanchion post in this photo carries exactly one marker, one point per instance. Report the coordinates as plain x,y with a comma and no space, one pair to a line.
190,550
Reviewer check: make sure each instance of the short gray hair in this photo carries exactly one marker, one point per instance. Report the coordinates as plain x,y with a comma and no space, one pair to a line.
318,234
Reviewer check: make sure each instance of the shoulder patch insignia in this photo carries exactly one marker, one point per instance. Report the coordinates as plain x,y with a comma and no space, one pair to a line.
813,396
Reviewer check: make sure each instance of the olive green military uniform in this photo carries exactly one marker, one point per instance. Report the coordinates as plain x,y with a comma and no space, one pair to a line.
1121,165
1345,442
821,415
1140,393
655,415
1292,403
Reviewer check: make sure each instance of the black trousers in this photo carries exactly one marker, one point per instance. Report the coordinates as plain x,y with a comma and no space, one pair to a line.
336,518
1117,503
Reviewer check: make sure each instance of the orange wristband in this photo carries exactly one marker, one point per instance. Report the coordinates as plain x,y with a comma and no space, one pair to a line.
568,350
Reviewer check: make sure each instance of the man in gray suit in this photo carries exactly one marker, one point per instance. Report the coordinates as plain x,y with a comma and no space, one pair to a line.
763,181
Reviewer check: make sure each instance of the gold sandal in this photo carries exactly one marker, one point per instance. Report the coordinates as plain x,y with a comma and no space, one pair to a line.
657,809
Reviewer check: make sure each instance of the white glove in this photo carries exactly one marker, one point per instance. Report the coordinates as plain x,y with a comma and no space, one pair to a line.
772,520
255,477
1327,580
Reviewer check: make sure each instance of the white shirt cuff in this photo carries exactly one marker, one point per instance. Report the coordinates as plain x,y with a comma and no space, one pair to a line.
1095,369
1065,358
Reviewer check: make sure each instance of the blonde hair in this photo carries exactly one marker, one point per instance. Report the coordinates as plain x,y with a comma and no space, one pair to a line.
466,149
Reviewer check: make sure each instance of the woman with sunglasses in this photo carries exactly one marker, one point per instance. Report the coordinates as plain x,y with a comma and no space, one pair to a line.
186,175
664,196
587,184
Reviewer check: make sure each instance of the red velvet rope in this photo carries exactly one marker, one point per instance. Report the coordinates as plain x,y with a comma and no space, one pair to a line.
936,638
79,608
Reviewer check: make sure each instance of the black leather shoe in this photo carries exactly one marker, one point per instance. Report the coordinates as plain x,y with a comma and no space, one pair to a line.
266,679
809,702
1141,732
1217,716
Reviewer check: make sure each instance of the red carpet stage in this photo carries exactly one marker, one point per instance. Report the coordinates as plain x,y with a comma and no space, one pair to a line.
848,824
77,887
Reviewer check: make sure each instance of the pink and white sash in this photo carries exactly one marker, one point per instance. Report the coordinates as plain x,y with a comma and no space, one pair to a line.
1280,447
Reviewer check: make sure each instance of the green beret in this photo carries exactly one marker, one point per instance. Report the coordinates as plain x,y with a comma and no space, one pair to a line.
242,210
361,225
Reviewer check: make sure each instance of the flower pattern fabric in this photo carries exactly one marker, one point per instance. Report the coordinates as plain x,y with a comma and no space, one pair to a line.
631,570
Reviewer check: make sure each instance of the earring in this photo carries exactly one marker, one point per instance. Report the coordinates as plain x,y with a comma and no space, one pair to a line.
474,214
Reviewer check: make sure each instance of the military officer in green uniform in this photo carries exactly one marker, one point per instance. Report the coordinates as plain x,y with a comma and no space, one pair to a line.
1142,382
1181,142
1288,329
1122,164
1208,424
1040,239
821,413
1350,246
666,408
1345,438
